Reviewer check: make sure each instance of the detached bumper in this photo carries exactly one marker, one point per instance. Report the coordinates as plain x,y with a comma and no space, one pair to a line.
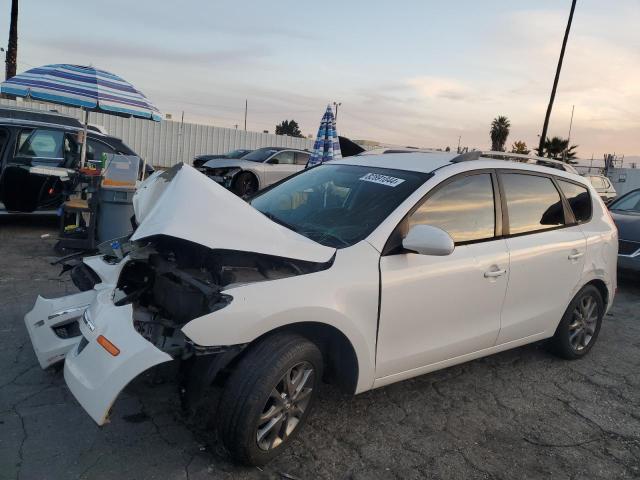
51,325
95,376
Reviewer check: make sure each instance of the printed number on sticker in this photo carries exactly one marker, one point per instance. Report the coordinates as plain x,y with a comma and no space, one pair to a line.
382,179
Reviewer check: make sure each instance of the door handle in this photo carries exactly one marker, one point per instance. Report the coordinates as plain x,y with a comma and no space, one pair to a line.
494,273
575,255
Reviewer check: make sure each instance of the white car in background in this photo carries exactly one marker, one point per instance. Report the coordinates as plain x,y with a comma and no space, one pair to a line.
603,186
361,272
256,170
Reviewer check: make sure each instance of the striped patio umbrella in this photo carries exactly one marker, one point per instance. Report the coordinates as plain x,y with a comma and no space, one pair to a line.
89,88
327,145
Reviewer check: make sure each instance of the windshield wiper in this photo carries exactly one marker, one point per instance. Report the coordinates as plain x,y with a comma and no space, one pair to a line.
326,236
279,221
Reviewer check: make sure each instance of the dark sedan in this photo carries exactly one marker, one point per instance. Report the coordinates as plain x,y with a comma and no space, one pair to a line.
200,160
626,214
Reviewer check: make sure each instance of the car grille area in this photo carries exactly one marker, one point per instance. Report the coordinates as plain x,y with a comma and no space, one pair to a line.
626,247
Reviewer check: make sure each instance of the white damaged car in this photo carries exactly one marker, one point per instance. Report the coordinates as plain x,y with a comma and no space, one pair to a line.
361,272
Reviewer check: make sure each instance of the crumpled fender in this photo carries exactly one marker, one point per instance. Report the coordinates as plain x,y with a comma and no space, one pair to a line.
94,376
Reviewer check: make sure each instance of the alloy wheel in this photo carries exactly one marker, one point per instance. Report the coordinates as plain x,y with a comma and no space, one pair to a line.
583,323
285,407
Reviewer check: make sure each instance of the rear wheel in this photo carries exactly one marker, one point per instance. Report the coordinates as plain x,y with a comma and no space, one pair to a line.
246,184
268,397
580,325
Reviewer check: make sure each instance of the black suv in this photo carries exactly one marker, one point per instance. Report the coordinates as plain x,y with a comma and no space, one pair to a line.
39,155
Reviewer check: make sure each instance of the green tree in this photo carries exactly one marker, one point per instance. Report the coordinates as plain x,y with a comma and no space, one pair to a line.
289,127
520,147
499,133
559,149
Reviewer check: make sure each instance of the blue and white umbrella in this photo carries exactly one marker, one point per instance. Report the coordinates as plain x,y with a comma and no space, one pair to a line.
87,87
327,145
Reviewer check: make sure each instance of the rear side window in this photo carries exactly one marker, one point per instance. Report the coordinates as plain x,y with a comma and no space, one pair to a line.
283,158
597,182
578,198
41,143
95,149
463,208
302,158
533,203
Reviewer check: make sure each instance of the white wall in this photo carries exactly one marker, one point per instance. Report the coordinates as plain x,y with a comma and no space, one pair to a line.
168,142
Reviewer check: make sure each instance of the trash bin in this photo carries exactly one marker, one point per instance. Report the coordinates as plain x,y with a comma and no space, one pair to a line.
115,209
115,199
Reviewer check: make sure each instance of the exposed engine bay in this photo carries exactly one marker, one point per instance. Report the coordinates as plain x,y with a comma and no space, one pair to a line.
170,281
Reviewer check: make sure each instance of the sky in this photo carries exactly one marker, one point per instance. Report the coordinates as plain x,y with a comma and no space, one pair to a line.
420,73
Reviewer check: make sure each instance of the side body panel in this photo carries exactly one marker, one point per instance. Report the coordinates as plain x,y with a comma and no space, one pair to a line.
344,296
602,249
436,308
546,268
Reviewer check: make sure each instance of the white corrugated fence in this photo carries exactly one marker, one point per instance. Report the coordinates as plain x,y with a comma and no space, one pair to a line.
169,142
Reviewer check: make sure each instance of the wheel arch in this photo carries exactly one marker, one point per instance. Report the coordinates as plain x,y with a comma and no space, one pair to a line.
341,366
251,172
602,288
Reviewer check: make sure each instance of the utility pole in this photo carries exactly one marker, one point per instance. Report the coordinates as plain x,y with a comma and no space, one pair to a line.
337,104
459,138
245,114
12,48
543,136
569,136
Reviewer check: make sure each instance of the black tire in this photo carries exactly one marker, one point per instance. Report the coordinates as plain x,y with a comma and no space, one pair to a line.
566,342
248,393
246,184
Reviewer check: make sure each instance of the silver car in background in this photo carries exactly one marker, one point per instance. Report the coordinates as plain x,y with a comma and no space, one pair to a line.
257,170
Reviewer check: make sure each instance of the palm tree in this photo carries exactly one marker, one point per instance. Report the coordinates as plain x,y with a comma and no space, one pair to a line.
12,47
499,133
520,147
559,149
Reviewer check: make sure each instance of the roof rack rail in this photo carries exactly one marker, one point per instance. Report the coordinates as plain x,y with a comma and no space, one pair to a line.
515,157
521,156
465,157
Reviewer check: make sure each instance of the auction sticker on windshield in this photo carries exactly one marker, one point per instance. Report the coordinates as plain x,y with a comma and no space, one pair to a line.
382,179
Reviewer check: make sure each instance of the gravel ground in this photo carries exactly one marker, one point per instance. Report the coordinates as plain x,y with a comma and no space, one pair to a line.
518,414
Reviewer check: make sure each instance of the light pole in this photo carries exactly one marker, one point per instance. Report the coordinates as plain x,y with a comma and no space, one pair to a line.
543,136
337,104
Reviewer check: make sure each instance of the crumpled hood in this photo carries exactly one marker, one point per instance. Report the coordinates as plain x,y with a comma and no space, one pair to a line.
628,226
183,203
230,162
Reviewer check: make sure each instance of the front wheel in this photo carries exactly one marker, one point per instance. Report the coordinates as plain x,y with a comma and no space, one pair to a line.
268,397
580,325
246,184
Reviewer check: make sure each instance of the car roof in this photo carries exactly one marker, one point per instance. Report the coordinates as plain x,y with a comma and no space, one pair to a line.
279,149
428,162
32,118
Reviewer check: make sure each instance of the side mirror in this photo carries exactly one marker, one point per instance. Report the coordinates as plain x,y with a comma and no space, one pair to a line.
274,161
428,240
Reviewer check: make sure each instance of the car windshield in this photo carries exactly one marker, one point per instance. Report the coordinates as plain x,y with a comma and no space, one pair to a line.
260,155
628,203
236,153
338,205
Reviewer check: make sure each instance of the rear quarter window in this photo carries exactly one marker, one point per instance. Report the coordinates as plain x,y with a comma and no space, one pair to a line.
578,198
533,203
